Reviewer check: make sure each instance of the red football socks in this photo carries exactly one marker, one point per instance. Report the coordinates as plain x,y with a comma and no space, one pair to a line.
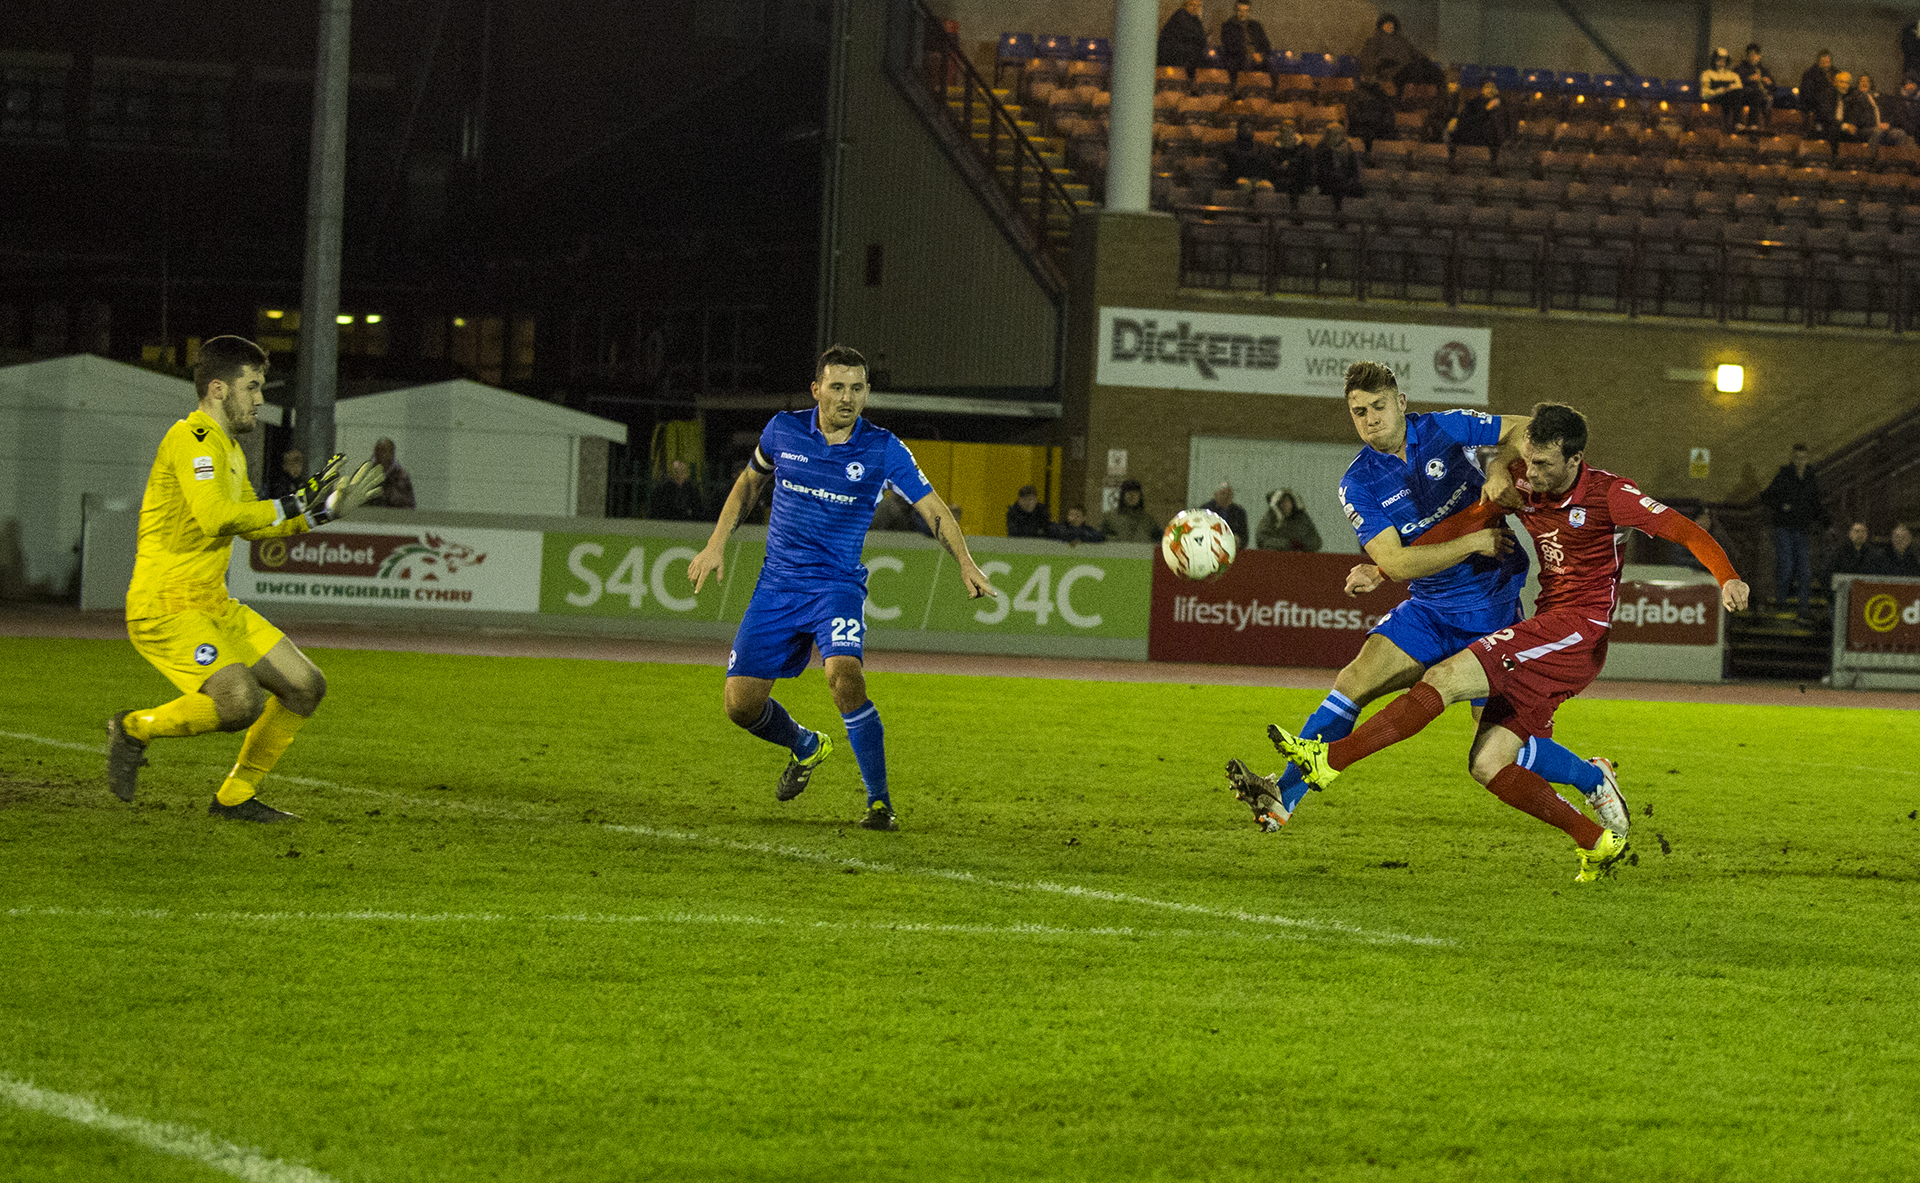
1527,792
1401,718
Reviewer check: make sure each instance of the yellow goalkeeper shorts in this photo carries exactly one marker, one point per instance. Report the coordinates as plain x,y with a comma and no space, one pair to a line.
190,647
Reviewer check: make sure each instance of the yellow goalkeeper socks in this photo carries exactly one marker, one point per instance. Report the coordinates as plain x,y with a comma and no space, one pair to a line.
266,742
190,714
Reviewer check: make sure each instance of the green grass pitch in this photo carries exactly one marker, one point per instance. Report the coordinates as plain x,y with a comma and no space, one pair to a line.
545,921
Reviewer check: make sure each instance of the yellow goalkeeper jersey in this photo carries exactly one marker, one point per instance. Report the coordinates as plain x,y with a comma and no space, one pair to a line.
198,498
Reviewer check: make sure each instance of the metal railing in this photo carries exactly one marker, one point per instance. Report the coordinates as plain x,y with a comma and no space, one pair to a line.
1015,162
1814,283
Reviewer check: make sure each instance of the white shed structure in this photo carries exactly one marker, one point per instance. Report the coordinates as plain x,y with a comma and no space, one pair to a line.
70,427
477,449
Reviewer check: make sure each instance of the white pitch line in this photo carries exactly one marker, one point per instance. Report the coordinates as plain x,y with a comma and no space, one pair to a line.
221,1155
1329,927
618,918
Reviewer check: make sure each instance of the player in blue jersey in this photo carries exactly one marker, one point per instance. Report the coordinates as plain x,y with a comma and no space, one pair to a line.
1416,472
829,467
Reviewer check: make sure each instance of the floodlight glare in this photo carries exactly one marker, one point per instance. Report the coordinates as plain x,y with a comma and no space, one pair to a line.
1729,379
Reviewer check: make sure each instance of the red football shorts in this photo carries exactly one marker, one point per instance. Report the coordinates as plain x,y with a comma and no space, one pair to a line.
1536,665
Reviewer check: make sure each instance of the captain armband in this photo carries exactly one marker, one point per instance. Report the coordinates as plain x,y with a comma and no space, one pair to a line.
760,463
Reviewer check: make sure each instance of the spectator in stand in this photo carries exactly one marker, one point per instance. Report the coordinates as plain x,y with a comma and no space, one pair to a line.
1336,166
1292,160
1075,530
1679,556
1482,120
397,491
1721,86
677,498
1286,526
1129,521
1794,499
1235,515
1899,557
1755,112
1903,110
1910,50
1388,54
1183,39
1872,114
1370,110
1857,118
1027,517
1244,46
1248,160
1816,93
1444,109
287,477
1857,555
893,513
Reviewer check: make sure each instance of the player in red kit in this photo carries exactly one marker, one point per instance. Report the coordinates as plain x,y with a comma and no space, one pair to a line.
1578,516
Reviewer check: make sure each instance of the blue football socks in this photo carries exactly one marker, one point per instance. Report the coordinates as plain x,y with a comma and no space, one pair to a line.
1551,762
777,726
869,741
1332,719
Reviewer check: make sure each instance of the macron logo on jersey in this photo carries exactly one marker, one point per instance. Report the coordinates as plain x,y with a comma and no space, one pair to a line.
796,457
822,494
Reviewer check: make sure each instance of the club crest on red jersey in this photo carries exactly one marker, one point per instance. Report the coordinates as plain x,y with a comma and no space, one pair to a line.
1577,518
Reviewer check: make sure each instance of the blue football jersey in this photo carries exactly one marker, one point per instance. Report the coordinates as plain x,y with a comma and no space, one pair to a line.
824,494
1438,479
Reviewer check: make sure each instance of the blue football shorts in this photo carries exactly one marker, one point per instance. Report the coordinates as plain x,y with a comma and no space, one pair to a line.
1430,635
782,626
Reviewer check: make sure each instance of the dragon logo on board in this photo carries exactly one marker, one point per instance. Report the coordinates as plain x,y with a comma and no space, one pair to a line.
1454,362
429,559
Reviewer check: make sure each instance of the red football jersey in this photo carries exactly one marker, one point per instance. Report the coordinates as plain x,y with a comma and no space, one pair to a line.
1579,536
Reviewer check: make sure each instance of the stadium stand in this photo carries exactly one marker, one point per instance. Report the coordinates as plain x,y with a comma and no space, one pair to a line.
1611,193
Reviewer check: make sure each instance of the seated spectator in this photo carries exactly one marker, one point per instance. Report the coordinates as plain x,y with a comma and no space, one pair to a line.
288,476
1129,521
1249,160
676,499
1755,112
1445,108
1244,45
1370,110
1292,160
1027,517
1286,526
1482,120
1235,515
1075,530
1816,93
1903,110
1721,86
1183,39
1900,558
397,491
1873,114
1857,555
1854,117
893,513
1910,50
1678,555
1336,166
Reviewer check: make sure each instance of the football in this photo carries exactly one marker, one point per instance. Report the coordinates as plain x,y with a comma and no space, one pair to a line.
1198,544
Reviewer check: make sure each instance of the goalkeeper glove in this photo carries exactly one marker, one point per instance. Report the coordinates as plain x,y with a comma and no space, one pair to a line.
348,495
310,492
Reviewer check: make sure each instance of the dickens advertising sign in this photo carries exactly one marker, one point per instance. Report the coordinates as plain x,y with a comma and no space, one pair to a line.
393,566
1285,355
1270,608
1883,617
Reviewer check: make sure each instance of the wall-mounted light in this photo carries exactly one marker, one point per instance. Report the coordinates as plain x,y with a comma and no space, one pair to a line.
1730,379
343,319
373,318
275,313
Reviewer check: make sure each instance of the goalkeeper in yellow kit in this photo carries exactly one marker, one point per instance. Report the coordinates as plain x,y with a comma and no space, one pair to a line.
235,671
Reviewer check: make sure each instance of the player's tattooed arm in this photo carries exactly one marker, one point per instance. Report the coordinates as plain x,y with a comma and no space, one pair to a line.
939,519
740,500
